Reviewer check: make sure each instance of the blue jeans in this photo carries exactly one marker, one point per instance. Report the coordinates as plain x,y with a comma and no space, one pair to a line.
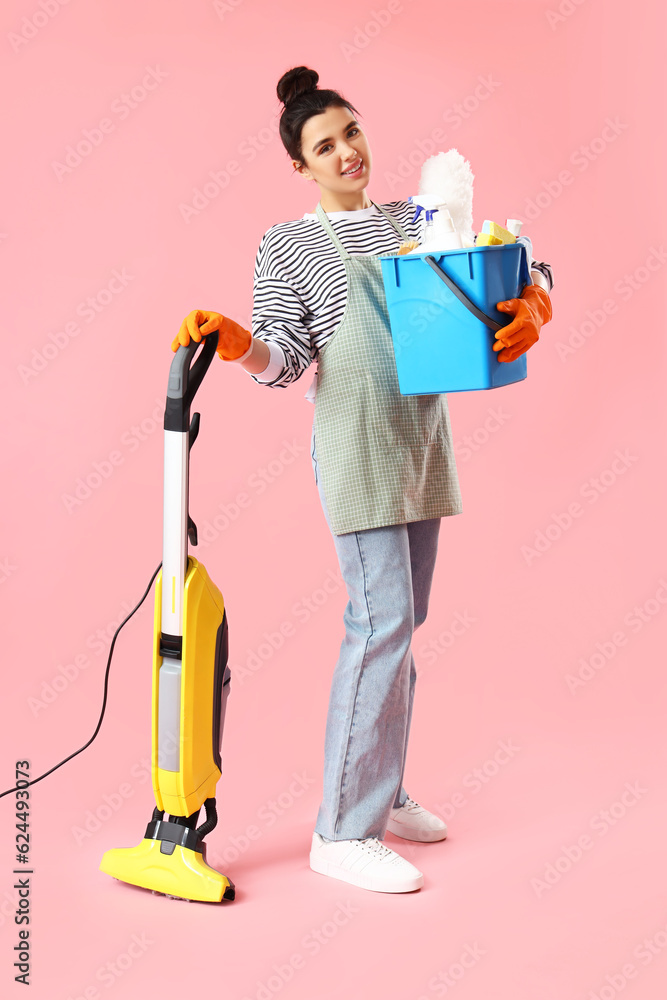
388,573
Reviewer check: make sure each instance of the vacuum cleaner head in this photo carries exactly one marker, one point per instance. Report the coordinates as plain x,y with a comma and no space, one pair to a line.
168,867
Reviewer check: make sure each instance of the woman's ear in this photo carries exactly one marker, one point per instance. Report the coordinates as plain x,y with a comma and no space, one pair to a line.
302,169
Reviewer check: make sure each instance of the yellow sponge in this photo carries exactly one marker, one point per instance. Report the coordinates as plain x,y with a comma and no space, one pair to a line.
493,229
503,234
487,240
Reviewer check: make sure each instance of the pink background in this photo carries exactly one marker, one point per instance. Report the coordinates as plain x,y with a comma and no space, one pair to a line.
547,85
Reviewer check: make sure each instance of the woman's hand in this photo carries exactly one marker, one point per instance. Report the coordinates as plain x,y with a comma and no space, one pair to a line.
530,312
234,343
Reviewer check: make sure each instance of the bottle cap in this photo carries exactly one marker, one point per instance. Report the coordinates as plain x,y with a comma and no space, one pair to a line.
514,226
422,202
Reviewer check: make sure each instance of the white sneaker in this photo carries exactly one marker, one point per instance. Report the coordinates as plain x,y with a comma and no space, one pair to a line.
366,863
412,822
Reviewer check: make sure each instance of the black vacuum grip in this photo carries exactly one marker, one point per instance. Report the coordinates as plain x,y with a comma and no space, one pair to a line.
185,379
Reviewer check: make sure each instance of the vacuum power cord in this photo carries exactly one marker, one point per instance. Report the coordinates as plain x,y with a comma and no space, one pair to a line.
10,791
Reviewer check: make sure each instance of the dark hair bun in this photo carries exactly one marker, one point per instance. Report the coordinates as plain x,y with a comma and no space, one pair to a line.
295,82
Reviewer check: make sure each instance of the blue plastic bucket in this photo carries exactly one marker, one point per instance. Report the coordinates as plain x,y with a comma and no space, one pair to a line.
439,345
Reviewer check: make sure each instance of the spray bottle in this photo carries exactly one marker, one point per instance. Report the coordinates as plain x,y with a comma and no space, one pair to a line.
439,233
423,202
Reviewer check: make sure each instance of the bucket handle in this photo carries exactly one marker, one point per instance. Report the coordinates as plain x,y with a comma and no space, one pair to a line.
461,295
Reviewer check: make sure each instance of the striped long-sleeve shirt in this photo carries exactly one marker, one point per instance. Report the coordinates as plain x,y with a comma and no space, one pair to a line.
300,287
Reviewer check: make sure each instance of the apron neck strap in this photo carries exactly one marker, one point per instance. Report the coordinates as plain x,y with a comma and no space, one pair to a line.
322,216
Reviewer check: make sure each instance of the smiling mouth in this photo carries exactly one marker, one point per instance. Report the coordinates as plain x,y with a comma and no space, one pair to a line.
353,171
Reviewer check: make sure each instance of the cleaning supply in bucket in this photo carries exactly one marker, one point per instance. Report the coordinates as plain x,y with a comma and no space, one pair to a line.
448,178
423,202
493,235
428,226
439,233
514,227
406,246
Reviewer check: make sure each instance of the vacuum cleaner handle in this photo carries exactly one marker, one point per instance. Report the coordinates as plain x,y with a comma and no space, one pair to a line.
180,433
185,379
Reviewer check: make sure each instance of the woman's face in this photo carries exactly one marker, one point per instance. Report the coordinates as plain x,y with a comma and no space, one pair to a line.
332,144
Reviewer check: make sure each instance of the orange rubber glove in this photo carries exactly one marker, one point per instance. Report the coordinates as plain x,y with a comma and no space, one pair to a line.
530,312
234,343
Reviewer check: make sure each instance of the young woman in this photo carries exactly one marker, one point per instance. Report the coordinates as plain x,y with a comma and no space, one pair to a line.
383,464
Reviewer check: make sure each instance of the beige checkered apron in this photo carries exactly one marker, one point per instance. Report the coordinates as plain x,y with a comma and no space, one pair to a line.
384,458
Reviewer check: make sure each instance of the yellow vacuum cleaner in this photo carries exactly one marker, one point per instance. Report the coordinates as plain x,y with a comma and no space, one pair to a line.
191,678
